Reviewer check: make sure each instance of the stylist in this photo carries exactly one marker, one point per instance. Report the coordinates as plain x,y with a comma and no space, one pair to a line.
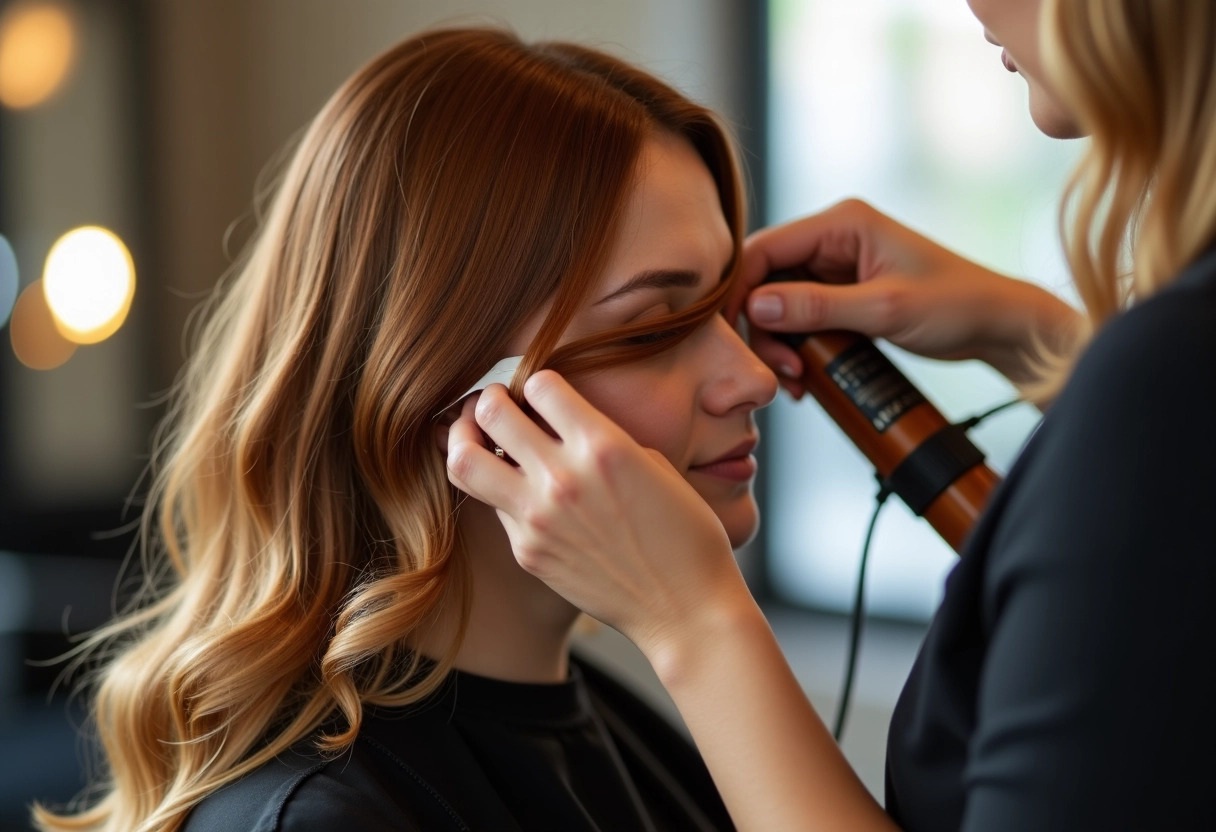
1069,679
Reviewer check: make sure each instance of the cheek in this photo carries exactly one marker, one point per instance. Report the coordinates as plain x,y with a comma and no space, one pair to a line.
990,13
655,408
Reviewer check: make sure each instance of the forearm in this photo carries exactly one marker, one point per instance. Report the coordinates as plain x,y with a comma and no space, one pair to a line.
774,762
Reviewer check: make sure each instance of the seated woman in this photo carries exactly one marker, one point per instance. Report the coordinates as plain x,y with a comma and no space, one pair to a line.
334,638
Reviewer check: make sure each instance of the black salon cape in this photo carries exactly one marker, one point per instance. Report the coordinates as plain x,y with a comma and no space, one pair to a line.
1068,680
486,755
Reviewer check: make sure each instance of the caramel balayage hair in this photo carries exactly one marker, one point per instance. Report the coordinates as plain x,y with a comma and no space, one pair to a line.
1139,77
300,525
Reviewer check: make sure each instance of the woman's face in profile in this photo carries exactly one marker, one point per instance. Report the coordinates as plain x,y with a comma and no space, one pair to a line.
695,402
1014,26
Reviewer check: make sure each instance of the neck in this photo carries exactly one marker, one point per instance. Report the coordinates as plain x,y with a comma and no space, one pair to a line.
518,629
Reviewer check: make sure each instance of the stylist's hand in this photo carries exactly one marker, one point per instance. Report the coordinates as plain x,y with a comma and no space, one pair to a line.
609,525
886,281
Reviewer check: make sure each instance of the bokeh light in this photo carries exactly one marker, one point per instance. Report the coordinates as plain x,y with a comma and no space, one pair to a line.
8,280
37,342
37,50
89,281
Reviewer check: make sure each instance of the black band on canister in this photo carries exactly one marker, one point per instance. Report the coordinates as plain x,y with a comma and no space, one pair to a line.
933,467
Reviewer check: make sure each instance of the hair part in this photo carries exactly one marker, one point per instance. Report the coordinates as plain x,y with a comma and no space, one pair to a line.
300,525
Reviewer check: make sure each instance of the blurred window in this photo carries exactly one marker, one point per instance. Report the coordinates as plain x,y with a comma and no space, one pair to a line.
904,104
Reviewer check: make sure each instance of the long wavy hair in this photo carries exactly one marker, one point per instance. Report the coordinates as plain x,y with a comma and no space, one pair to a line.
300,526
1139,77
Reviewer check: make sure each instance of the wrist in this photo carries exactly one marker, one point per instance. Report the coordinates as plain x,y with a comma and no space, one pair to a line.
682,653
1024,318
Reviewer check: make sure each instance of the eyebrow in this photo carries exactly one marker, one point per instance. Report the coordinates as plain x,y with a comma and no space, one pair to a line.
659,279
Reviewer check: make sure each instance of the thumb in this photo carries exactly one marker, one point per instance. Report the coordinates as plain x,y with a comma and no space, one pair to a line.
808,306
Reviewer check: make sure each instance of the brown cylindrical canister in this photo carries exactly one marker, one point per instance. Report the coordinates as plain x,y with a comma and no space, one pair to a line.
920,456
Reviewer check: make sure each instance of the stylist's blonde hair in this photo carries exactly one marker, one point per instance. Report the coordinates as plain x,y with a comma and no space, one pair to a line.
301,526
1139,77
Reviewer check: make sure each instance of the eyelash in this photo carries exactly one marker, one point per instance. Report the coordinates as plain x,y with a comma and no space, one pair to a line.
652,337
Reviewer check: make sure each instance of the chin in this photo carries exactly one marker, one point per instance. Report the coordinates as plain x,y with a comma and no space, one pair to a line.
1051,119
740,518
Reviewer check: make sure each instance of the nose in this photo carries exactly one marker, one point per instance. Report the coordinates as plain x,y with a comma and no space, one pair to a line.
736,378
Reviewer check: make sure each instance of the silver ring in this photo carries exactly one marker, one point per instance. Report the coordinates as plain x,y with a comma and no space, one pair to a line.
499,452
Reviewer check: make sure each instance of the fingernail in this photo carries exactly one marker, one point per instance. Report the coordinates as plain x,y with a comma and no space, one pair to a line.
786,370
766,309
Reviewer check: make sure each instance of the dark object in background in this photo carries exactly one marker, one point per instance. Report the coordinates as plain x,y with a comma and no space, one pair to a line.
45,598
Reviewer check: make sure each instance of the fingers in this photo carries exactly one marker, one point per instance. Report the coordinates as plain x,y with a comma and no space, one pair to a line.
567,412
473,468
871,308
831,240
782,360
464,427
510,428
830,244
476,470
795,389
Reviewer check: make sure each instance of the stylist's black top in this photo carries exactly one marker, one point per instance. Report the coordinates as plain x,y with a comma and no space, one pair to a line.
486,755
1069,679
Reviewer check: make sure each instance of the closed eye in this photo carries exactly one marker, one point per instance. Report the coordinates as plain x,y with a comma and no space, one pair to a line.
652,337
654,279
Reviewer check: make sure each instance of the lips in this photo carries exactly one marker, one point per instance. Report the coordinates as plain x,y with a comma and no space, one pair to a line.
1005,59
736,465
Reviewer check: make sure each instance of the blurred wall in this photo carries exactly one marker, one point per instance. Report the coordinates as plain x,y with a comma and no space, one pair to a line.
172,111
237,79
73,435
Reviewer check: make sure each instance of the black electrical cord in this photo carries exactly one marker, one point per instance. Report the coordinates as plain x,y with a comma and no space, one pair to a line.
846,692
858,614
968,424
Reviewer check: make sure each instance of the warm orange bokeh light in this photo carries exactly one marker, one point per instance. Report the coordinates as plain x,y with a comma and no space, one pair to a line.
36,340
37,50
